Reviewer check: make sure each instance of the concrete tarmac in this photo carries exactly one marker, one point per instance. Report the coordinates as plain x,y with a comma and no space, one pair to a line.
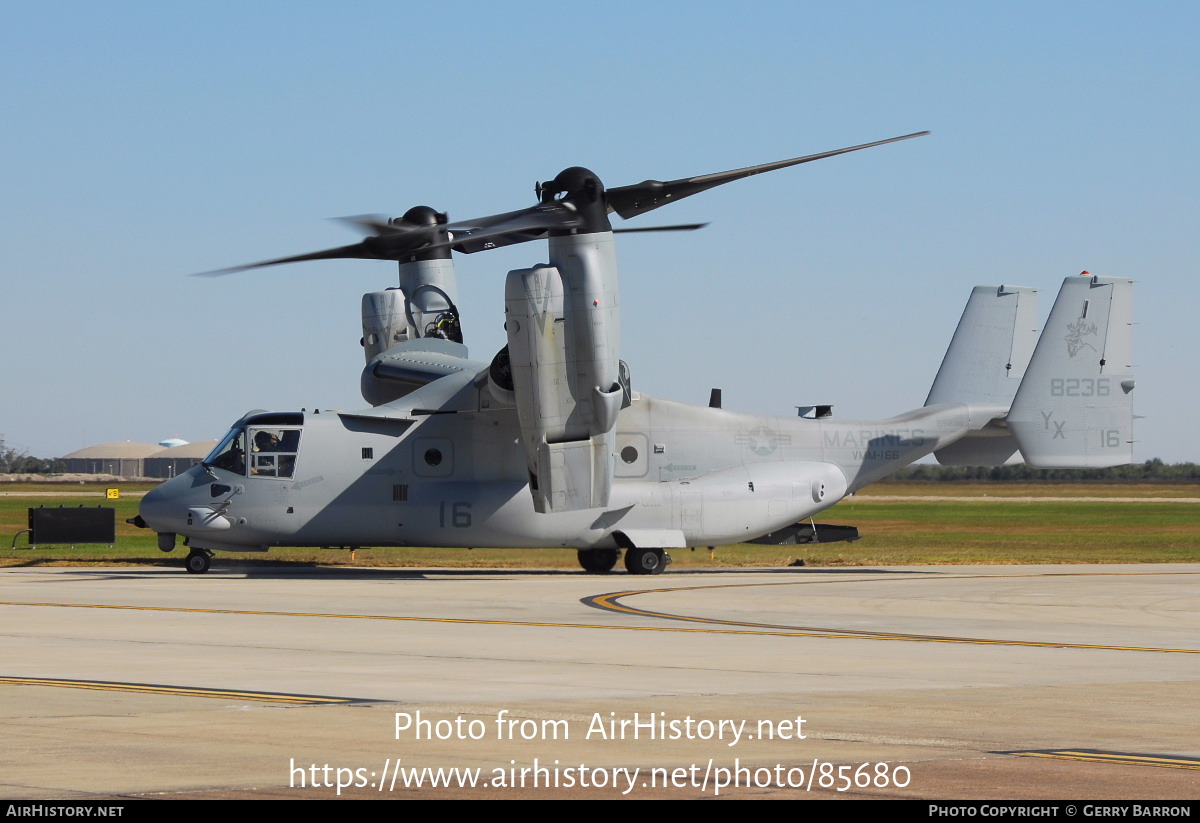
1058,682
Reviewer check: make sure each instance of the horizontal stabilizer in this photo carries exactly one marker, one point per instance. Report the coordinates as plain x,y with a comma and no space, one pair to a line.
1074,407
979,451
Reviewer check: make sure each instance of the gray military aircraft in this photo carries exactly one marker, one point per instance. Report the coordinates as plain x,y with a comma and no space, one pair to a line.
548,445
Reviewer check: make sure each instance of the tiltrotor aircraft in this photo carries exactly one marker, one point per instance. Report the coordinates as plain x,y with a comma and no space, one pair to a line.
548,445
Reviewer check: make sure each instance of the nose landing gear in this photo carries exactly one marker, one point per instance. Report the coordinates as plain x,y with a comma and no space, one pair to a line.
198,561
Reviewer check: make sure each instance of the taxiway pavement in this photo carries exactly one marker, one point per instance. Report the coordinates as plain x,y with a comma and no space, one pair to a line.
986,682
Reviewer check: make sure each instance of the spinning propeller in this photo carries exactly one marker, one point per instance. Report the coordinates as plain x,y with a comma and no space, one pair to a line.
574,202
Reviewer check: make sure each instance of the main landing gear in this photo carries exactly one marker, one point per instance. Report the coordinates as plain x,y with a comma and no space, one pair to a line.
637,561
598,561
645,561
198,561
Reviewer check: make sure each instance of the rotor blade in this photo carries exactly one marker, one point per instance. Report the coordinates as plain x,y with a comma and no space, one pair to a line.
470,245
564,217
397,242
401,238
639,198
357,251
507,229
473,243
680,227
371,223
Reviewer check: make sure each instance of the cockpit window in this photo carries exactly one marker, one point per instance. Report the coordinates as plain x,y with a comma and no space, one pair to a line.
273,451
230,453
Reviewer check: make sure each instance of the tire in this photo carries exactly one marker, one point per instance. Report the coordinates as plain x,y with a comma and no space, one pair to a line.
598,561
644,561
197,563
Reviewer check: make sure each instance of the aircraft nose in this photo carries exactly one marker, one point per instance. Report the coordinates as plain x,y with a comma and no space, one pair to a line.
157,508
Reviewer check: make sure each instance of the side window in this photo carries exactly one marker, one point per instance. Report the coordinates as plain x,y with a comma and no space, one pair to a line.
273,452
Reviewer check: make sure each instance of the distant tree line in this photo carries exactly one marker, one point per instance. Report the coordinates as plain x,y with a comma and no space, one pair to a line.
1152,471
17,461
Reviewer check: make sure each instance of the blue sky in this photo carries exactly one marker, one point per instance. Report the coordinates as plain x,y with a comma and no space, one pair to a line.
145,141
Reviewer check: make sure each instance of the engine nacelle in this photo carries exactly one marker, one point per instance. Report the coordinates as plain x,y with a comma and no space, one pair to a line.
565,370
383,321
423,306
537,350
431,289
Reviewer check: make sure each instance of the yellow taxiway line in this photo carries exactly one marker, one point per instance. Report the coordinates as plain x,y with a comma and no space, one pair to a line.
609,602
177,691
1121,758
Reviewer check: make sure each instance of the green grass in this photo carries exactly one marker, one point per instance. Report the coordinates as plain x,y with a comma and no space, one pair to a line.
958,532
967,530
920,488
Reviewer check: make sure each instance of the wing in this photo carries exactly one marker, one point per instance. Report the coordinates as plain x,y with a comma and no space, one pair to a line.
419,362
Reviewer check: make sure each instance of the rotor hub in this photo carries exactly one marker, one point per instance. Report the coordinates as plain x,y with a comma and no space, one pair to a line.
422,216
577,183
582,190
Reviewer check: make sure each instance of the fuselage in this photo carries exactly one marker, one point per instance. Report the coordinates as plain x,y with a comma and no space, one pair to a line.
457,476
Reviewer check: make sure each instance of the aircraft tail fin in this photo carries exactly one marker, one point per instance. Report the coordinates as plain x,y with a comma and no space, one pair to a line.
985,363
990,349
1073,408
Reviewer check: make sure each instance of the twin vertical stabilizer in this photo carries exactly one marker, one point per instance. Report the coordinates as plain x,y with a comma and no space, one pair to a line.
985,363
990,349
1074,406
1069,394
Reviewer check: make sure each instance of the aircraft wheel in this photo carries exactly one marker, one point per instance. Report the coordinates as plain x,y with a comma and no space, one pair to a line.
644,561
598,560
198,562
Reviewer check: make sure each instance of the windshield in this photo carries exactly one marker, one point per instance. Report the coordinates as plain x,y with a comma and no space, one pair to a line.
230,453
